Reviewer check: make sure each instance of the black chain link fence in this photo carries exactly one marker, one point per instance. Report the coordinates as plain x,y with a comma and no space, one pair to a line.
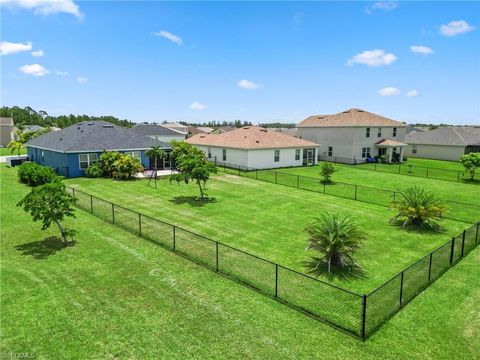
460,211
357,315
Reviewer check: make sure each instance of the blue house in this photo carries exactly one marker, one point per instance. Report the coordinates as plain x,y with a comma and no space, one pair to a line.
72,150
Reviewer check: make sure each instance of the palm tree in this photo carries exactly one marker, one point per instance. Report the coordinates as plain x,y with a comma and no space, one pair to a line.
418,206
15,145
336,238
156,153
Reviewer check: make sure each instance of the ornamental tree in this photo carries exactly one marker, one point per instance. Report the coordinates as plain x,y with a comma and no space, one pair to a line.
471,163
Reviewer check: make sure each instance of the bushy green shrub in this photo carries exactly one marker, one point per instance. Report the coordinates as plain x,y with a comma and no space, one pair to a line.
107,161
94,171
126,167
33,174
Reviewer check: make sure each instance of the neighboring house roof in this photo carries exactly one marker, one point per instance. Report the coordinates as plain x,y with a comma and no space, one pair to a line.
250,137
460,136
349,118
155,129
410,128
288,131
223,129
176,126
390,143
205,129
31,128
192,130
94,136
6,121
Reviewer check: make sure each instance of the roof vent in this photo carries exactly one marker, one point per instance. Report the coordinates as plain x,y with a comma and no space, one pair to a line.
107,126
258,141
246,127
90,123
321,117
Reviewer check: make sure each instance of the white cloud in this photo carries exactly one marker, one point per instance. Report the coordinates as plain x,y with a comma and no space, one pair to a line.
389,91
12,48
45,7
34,69
176,39
373,58
420,49
60,73
197,106
456,28
37,53
81,79
381,5
247,84
412,93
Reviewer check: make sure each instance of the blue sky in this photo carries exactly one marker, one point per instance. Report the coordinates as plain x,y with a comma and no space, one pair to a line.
261,62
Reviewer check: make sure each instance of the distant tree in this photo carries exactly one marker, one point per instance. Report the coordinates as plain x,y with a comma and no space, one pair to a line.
417,206
156,153
15,145
50,203
326,171
471,163
193,165
336,239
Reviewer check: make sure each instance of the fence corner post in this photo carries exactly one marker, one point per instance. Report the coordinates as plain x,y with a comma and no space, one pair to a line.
356,187
452,250
139,224
216,255
401,288
463,242
174,237
91,204
430,267
276,280
113,213
364,316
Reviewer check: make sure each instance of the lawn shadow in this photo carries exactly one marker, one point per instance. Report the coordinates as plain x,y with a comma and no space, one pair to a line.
353,272
44,248
419,229
192,201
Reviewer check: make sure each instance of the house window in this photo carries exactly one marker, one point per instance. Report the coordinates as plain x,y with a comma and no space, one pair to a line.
209,153
379,132
224,154
365,152
394,132
134,154
42,155
367,134
276,155
297,154
87,159
330,151
414,149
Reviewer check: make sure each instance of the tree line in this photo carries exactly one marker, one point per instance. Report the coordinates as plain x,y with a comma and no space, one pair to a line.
29,116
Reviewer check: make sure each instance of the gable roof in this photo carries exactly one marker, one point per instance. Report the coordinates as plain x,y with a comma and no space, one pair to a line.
461,136
349,118
192,130
94,136
155,129
250,137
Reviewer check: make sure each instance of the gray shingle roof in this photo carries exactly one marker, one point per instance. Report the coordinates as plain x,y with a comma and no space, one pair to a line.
462,136
154,129
94,136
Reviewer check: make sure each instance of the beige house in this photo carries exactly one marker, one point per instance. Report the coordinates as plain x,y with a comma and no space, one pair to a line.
253,147
354,135
6,131
444,143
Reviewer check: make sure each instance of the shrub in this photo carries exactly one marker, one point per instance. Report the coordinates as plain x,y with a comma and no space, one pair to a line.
471,162
336,239
94,171
419,207
34,174
326,171
107,160
126,167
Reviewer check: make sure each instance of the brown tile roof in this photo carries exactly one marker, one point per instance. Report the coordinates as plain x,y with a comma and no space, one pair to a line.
250,137
390,143
352,117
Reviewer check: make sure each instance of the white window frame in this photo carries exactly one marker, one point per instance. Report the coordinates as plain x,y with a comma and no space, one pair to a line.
276,155
367,132
330,151
224,154
366,152
135,154
89,161
414,149
42,155
379,132
297,154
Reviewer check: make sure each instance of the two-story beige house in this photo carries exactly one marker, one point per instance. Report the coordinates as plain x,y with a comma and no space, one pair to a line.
354,136
6,131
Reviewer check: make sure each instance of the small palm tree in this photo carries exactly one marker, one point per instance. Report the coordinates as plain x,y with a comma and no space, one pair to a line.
336,238
418,206
156,153
15,145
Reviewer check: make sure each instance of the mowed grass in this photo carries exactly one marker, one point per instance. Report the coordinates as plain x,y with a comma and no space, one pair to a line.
447,190
268,220
439,164
8,152
114,295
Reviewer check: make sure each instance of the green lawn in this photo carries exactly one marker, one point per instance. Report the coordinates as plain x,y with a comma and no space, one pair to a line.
452,191
439,164
8,152
268,221
114,295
